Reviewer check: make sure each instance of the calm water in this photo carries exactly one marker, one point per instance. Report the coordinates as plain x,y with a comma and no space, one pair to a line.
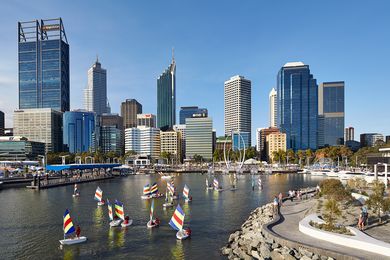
31,221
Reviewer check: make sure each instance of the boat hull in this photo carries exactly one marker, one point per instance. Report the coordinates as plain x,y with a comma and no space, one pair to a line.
101,203
115,223
168,205
72,241
181,235
150,225
146,197
128,224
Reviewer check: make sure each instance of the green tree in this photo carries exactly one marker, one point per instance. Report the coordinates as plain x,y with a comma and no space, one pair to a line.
291,155
332,212
217,155
198,158
309,155
300,156
377,201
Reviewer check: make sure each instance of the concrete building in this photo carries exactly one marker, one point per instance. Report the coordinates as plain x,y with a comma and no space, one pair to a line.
349,134
2,123
40,125
17,148
199,137
275,142
261,140
144,141
148,120
222,142
370,139
79,131
331,114
171,143
129,111
238,106
182,130
111,133
297,101
95,94
273,108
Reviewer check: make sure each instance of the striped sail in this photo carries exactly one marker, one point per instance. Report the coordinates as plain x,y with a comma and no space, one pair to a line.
154,188
119,210
68,224
259,182
151,210
110,210
146,190
177,219
186,191
207,182
98,194
171,188
216,183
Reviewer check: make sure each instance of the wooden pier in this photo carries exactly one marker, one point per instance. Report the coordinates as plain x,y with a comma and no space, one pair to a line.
39,184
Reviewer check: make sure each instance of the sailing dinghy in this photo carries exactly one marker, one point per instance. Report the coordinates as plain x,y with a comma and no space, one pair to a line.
76,192
147,194
169,196
114,220
99,196
217,187
119,211
152,223
186,193
177,222
68,230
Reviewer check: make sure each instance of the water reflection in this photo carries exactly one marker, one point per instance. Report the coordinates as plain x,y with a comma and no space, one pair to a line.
116,237
177,250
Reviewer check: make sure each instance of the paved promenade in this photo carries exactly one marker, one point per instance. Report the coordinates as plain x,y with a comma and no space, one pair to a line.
293,212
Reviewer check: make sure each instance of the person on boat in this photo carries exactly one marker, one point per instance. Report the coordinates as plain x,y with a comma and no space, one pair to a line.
190,198
187,231
126,220
102,201
78,231
156,221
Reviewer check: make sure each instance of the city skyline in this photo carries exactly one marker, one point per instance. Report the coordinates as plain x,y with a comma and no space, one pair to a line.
137,78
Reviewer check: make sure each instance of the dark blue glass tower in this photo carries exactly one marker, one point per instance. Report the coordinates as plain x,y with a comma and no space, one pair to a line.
297,101
189,112
166,98
43,65
79,131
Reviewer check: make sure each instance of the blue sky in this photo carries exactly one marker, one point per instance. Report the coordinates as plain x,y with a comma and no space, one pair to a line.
214,40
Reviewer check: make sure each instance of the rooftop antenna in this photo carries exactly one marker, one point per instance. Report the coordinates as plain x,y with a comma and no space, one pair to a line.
173,54
97,58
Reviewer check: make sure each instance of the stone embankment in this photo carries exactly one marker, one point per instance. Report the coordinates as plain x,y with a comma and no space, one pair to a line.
252,242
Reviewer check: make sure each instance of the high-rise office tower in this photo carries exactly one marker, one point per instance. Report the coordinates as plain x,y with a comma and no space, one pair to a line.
79,131
238,109
43,65
129,110
166,97
371,139
182,130
331,114
273,108
95,94
297,101
349,134
261,140
199,137
111,133
193,111
143,141
2,123
148,120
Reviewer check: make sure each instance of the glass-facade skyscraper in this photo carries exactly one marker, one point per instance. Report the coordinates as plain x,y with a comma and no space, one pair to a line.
331,114
79,131
166,98
189,112
297,102
43,65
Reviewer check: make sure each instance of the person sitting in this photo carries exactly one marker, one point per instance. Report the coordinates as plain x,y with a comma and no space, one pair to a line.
78,231
126,220
187,231
157,221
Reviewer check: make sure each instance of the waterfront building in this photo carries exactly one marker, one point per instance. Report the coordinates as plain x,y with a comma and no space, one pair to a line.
95,94
166,98
331,113
297,106
79,131
43,65
261,140
148,120
199,137
129,111
171,144
182,130
193,111
40,125
240,140
111,133
143,140
387,139
2,123
237,96
349,134
273,108
275,142
223,141
371,139
17,148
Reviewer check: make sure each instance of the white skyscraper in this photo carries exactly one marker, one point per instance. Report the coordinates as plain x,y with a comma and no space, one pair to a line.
238,106
95,94
273,108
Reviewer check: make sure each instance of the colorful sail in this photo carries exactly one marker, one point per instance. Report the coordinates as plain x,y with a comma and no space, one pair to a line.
68,224
98,194
207,182
119,210
186,191
177,219
171,188
216,183
146,190
154,188
75,188
151,210
110,210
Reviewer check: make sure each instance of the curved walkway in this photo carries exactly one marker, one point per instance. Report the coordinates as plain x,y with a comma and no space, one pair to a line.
288,227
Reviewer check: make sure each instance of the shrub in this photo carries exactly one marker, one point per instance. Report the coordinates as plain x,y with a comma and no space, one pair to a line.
377,201
333,188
